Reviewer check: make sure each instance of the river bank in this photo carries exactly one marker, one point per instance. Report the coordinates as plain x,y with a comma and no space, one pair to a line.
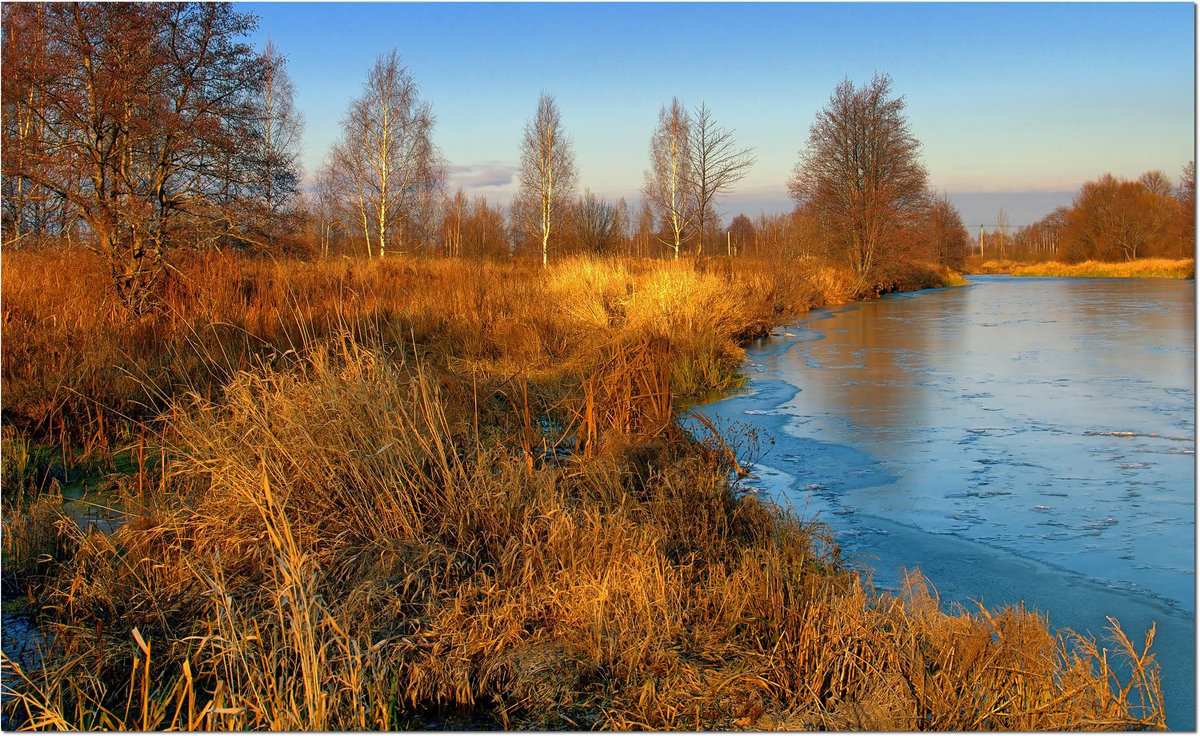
466,499
1017,441
1144,268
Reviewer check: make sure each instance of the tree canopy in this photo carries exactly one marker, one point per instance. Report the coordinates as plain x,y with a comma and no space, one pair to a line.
861,174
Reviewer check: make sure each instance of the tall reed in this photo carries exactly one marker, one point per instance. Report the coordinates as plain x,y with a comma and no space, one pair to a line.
341,544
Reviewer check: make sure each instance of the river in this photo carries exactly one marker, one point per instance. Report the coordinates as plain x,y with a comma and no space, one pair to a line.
1016,439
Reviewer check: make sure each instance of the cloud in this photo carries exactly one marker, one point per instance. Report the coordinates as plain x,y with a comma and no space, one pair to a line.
477,176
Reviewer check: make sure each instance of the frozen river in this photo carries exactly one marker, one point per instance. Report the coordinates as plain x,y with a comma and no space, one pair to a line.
1016,439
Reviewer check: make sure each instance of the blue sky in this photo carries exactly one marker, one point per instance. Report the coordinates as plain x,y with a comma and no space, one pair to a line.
1016,105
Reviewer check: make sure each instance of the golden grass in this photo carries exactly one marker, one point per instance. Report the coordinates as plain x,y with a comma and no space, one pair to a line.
354,555
31,539
419,494
1143,268
75,367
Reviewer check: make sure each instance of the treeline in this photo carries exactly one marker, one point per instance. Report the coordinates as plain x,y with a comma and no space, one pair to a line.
142,130
1110,219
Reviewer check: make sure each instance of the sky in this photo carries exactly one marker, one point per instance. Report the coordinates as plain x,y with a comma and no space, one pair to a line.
1015,104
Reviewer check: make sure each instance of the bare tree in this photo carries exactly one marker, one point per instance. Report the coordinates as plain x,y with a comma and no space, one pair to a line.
644,230
1186,191
547,178
1002,230
1113,219
669,181
623,226
452,224
1158,182
386,157
946,236
260,184
324,208
716,165
29,207
861,174
598,229
422,227
741,235
349,174
485,233
145,110
278,132
1185,194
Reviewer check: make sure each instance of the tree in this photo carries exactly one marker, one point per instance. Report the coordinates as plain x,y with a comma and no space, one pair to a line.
485,233
624,227
275,176
143,114
742,236
429,200
644,230
861,174
1002,230
1158,182
452,224
1185,195
324,209
29,207
473,229
716,165
945,233
1042,238
669,181
1186,191
386,159
1116,219
598,229
262,182
547,179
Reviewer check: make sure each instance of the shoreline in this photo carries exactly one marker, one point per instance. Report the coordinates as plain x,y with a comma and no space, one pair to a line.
1145,268
1069,599
642,532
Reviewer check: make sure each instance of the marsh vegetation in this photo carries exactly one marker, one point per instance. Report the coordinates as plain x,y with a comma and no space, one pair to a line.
358,518
386,457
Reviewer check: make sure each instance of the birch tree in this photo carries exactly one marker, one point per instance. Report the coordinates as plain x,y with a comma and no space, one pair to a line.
260,184
324,207
452,224
716,165
279,128
29,208
548,178
1185,194
143,112
386,158
669,186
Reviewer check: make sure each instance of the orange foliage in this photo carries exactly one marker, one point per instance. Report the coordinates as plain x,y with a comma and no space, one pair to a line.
1115,219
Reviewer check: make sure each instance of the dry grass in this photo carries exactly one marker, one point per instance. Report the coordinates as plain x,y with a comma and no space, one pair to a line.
75,369
31,540
1143,268
440,494
354,555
